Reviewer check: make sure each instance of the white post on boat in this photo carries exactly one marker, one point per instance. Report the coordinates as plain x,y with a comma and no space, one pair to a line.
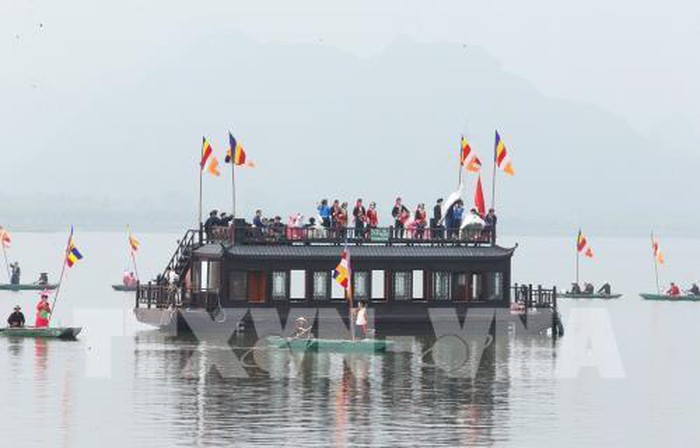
200,168
233,181
348,293
578,254
493,179
131,251
656,263
60,279
7,263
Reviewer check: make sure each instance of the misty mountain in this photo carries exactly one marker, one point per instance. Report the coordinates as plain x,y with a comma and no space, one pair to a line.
319,123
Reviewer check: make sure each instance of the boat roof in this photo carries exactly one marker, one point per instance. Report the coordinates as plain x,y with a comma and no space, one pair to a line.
360,251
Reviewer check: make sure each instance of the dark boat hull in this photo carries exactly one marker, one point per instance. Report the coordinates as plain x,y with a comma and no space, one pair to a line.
27,287
124,288
589,296
66,333
664,297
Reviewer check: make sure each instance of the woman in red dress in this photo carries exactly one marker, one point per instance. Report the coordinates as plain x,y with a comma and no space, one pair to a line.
43,311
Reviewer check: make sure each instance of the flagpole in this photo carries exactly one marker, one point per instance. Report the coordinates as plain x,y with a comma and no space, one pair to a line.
493,179
7,263
233,186
578,255
60,279
200,167
656,263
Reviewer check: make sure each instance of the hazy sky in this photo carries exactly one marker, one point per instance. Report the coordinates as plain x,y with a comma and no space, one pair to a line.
114,92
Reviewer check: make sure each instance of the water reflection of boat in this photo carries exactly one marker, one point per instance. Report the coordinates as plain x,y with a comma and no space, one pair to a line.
360,398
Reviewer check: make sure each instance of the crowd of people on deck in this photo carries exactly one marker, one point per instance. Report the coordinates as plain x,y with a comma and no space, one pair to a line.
43,314
338,219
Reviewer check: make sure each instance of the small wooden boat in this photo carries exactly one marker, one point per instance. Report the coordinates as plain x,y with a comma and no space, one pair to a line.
331,345
27,287
124,288
682,298
67,333
583,295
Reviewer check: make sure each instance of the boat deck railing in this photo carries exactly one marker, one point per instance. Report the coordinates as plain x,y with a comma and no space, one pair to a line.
528,297
153,295
287,235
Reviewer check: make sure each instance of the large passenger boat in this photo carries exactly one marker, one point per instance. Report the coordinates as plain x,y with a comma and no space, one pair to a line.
244,277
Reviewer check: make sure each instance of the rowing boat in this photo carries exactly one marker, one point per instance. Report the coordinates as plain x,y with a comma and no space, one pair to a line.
569,295
684,298
67,333
124,288
27,287
331,345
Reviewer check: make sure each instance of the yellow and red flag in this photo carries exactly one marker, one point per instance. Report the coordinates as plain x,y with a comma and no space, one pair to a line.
206,153
502,158
468,157
133,242
236,153
582,245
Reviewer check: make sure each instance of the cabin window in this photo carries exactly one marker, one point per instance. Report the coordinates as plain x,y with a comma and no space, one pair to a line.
402,285
320,285
441,285
460,287
297,285
238,285
477,287
495,286
360,285
279,285
417,285
378,286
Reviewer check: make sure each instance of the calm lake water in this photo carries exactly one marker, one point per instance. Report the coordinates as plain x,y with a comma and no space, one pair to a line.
122,384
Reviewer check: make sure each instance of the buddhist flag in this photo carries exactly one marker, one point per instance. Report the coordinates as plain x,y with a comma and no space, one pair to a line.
213,167
72,252
658,255
236,153
133,243
5,238
341,273
479,202
206,153
582,245
468,158
502,158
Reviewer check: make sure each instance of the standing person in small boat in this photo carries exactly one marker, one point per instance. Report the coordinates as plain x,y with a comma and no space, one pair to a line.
361,319
16,319
673,290
16,272
43,311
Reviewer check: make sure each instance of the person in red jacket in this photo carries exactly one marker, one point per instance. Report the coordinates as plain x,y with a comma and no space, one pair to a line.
43,311
674,290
